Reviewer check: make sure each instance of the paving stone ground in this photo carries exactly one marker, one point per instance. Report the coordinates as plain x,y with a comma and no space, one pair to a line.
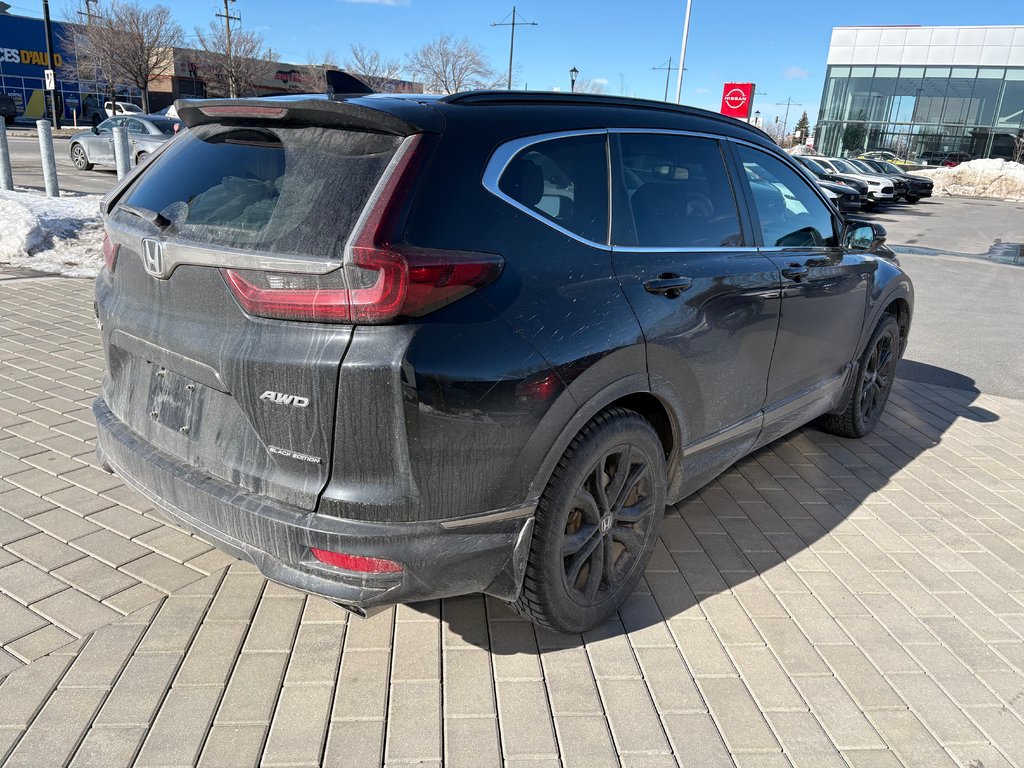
825,602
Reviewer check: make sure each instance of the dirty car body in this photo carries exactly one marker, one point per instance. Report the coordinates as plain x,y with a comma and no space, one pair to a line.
350,339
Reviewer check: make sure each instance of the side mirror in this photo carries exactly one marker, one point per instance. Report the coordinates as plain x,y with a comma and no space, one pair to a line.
863,236
96,130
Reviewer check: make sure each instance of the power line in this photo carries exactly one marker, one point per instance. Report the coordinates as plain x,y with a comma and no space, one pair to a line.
512,44
787,104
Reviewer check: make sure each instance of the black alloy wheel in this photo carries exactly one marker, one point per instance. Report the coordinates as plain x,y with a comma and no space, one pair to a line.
875,373
596,523
606,525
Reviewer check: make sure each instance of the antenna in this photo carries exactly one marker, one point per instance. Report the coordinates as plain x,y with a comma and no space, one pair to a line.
515,21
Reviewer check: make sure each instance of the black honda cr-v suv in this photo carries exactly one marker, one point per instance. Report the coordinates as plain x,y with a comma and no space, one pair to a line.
396,348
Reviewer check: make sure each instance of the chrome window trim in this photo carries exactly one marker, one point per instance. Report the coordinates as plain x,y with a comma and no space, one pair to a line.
504,155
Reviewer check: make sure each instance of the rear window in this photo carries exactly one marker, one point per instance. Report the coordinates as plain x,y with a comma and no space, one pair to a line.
270,189
166,127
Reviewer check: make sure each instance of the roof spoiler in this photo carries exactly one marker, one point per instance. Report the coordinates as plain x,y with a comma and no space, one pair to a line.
339,111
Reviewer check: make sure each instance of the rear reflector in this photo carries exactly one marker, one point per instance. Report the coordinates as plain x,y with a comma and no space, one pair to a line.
357,563
110,249
381,281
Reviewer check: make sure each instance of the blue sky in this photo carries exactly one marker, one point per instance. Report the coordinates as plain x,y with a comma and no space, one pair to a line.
780,46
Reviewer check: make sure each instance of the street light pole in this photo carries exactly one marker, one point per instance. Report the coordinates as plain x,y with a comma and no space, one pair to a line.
682,53
573,73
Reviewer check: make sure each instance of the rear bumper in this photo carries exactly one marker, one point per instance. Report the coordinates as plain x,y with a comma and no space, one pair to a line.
485,553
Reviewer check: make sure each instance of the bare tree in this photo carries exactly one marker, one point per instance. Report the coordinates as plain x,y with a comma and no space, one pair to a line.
314,71
1018,147
236,74
586,85
127,44
370,66
448,65
775,131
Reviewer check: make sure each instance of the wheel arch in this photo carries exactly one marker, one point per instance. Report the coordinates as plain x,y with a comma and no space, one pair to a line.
651,398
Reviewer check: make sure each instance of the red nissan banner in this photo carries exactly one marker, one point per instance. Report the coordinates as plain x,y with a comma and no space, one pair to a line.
737,99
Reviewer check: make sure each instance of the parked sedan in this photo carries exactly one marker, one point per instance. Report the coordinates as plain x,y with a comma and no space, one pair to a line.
145,134
917,186
822,174
880,188
845,197
900,191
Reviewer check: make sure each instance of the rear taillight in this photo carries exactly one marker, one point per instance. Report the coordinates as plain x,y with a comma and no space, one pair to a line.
380,280
110,249
359,563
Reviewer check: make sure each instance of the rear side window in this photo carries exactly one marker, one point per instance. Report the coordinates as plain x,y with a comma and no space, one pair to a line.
270,189
564,181
678,193
791,214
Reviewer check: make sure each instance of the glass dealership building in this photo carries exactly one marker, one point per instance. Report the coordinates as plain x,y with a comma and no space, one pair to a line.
915,90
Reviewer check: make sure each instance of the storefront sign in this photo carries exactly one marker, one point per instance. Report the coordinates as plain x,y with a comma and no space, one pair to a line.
737,99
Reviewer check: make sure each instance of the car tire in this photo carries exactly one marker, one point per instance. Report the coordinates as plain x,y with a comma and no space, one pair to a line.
875,373
912,199
870,205
590,547
80,158
8,119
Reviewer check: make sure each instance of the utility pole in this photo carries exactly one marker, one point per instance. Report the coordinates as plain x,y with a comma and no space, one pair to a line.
787,104
87,13
669,68
515,22
682,54
228,18
51,76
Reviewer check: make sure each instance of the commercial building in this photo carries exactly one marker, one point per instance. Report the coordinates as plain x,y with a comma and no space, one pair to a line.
23,61
923,91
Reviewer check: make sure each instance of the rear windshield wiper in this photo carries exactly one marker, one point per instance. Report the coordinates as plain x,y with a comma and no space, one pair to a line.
156,219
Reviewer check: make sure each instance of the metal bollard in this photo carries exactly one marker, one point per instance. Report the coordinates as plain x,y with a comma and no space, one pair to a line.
121,151
49,163
6,179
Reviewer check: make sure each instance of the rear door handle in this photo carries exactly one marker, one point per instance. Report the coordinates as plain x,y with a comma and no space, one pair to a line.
668,284
796,271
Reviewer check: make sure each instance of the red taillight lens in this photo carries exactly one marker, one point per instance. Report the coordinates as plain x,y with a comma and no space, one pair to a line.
358,563
110,249
381,281
234,110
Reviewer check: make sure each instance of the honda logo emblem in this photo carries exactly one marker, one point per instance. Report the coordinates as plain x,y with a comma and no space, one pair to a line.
153,257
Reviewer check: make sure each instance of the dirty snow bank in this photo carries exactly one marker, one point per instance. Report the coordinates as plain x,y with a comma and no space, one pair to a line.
49,234
979,178
800,149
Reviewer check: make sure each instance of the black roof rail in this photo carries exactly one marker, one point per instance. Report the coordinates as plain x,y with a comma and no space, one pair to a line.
591,100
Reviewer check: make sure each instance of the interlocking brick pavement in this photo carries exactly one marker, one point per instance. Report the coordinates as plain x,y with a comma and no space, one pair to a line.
824,602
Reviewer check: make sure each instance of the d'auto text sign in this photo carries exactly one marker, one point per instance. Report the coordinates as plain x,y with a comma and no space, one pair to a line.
736,99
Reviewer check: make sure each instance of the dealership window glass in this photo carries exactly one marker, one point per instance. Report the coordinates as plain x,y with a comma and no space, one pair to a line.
564,180
985,97
859,93
883,90
1011,107
835,92
678,192
790,213
908,90
933,94
959,108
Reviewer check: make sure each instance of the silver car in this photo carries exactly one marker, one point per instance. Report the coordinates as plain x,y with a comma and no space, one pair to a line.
145,134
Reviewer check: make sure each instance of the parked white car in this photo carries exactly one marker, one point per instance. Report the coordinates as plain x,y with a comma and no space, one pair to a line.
880,188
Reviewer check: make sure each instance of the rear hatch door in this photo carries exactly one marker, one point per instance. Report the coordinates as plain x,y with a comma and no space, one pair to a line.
248,400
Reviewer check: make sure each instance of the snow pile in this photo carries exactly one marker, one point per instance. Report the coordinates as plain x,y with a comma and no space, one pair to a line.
60,235
979,178
800,149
